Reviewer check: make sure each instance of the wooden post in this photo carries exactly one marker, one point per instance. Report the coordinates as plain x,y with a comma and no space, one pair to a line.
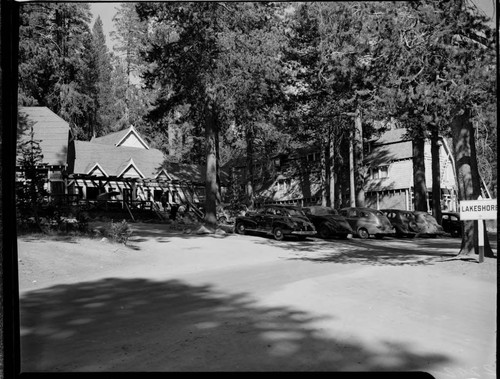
480,237
480,240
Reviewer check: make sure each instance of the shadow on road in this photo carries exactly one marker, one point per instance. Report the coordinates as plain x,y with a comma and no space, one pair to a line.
141,325
162,232
388,251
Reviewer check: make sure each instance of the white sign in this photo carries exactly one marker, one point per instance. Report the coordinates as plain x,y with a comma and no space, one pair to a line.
485,209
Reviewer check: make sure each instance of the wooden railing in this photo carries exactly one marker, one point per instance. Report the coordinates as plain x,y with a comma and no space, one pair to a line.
105,204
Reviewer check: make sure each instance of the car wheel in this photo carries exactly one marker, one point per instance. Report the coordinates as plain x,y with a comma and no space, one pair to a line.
363,233
240,228
324,231
278,234
413,226
222,220
455,233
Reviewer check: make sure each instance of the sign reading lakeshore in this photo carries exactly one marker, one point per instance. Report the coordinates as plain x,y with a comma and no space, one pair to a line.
484,209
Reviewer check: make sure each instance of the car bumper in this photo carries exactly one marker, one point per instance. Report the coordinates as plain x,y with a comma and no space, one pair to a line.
303,232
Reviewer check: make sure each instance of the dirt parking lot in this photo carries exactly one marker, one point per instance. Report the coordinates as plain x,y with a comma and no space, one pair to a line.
171,301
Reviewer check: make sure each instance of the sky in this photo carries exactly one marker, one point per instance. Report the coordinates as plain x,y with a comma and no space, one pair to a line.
106,11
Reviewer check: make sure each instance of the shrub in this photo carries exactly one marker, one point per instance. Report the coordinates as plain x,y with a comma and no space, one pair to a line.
120,232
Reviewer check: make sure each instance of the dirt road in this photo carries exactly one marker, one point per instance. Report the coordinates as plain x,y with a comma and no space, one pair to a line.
183,302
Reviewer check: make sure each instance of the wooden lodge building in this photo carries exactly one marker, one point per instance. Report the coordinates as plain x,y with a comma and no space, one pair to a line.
122,169
296,178
118,169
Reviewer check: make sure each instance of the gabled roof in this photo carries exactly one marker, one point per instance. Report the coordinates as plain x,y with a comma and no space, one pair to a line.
131,166
390,146
51,130
97,167
114,159
111,138
390,136
120,137
164,173
190,172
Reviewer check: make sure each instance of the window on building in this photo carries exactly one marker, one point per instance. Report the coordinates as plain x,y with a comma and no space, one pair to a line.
384,171
284,184
157,195
379,172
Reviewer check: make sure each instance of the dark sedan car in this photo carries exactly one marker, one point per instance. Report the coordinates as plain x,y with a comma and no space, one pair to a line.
368,221
277,220
328,222
451,223
403,221
427,225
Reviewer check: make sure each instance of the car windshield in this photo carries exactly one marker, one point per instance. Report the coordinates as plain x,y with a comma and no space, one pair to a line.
295,212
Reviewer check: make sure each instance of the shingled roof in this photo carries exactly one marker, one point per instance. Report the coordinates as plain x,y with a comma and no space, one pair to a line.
114,159
390,146
51,130
191,172
111,138
120,138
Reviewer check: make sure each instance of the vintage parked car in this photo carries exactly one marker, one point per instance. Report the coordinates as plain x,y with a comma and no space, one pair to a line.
427,225
278,220
451,223
403,221
368,221
328,222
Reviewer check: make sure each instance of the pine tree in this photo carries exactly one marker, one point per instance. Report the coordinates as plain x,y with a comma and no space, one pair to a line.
30,187
101,76
54,53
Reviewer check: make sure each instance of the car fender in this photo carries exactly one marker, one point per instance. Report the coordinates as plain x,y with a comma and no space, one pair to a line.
249,223
286,225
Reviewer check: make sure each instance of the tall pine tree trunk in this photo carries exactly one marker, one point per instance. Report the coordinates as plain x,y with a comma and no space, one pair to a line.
359,170
331,164
324,175
352,186
211,189
250,166
337,191
468,180
436,176
217,160
419,186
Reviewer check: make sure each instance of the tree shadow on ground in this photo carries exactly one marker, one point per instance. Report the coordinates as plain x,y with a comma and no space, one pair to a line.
141,325
159,231
388,251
